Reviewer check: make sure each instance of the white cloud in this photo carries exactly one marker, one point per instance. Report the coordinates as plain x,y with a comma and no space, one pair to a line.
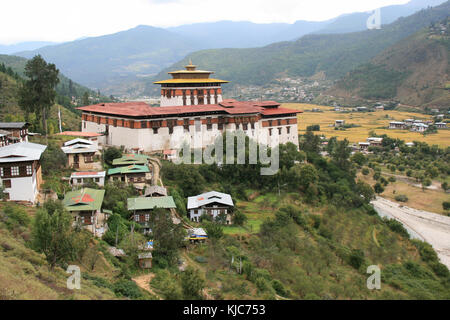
64,20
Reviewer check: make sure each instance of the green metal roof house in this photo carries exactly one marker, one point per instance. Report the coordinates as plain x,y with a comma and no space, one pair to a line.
151,203
142,208
85,206
131,173
129,159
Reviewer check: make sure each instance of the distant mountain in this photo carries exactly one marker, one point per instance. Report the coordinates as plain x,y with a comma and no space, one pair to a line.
358,21
244,34
331,54
111,60
122,63
414,71
24,46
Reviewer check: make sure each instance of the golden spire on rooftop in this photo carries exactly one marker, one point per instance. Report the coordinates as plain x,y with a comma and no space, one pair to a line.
190,66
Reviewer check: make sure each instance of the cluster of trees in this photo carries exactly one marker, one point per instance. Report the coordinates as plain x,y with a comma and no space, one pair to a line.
421,161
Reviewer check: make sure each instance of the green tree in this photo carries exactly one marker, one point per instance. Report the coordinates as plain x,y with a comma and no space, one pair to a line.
112,153
192,284
85,101
359,158
38,94
214,230
446,205
378,188
426,182
340,154
53,235
168,236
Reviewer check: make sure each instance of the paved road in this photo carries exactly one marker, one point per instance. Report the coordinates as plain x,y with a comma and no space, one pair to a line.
430,227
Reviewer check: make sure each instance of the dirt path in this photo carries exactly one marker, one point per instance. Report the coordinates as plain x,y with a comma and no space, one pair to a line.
430,227
156,164
144,282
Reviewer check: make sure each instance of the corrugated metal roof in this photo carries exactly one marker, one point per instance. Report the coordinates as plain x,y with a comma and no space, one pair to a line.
87,174
78,141
22,151
13,125
155,189
151,203
129,169
128,159
209,197
86,199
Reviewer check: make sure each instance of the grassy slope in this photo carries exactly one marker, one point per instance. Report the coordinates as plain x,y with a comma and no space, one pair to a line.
311,266
24,274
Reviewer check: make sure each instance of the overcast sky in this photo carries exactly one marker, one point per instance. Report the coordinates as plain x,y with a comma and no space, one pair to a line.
65,20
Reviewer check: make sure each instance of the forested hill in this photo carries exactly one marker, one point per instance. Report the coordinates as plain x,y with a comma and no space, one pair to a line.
414,71
11,77
66,89
334,54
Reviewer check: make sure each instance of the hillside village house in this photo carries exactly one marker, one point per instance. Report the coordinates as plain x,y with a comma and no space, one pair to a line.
375,141
141,208
18,130
339,123
192,110
81,178
155,191
20,170
170,154
85,206
130,174
363,146
212,203
441,125
81,153
419,127
397,125
4,138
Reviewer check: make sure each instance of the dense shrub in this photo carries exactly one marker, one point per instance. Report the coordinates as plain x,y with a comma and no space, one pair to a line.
396,226
356,258
127,288
401,198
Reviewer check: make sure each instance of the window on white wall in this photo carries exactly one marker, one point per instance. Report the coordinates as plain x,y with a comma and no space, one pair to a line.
1,172
14,171
29,170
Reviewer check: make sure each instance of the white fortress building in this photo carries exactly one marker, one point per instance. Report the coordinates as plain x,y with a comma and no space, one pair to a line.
192,110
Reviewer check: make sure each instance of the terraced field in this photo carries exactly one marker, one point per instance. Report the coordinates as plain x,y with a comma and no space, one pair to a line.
368,121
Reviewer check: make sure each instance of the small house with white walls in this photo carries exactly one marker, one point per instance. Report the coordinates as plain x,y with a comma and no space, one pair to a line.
212,203
81,153
20,170
82,178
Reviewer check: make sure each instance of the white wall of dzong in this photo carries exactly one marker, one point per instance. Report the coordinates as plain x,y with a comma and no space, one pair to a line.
198,136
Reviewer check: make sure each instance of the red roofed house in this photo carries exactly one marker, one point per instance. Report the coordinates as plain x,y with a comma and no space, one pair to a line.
192,110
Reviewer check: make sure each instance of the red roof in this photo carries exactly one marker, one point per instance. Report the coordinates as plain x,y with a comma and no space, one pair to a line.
85,173
230,106
79,134
278,111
